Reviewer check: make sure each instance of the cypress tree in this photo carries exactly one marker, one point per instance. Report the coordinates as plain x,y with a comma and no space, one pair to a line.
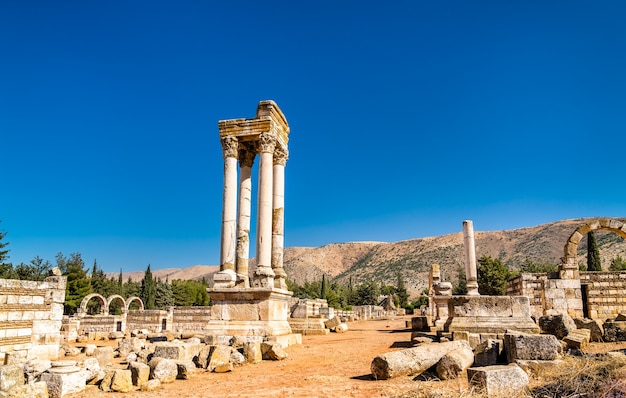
148,290
323,288
593,254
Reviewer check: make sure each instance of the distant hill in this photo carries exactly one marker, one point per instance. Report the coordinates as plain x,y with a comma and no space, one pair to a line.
412,258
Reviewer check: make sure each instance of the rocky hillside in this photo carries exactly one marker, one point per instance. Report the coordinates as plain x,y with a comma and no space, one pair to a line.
382,261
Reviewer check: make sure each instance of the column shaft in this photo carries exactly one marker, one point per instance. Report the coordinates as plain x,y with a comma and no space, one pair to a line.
243,226
229,214
471,274
264,274
278,226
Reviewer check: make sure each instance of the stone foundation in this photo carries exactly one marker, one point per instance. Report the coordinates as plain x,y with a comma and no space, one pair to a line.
489,314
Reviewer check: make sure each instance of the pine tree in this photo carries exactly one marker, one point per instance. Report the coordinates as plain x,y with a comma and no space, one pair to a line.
401,292
78,285
6,269
593,254
492,276
148,290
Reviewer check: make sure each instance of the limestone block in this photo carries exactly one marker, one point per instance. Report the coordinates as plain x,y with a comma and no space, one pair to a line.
331,323
151,385
139,373
70,351
499,380
105,383
92,371
220,355
412,361
90,349
252,351
273,351
531,346
62,384
237,358
341,328
122,381
163,369
578,338
104,355
537,368
488,352
33,368
177,351
614,331
202,360
10,376
558,325
31,390
185,370
223,368
454,363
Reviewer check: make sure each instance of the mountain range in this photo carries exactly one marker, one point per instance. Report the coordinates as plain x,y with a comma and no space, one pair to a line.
384,261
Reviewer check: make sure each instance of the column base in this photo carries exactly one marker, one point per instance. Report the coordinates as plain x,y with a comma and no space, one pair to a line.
224,279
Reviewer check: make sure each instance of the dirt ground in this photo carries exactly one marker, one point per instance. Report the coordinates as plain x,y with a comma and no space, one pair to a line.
335,365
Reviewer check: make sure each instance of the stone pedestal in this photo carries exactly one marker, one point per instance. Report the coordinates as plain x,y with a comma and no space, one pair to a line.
489,314
250,312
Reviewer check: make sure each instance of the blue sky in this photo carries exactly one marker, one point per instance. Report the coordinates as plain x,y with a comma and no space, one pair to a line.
406,117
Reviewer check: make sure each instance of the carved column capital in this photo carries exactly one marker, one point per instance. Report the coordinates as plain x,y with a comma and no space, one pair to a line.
266,143
247,153
281,155
229,146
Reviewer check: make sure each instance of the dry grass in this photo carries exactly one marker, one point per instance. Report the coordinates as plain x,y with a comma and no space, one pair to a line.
574,377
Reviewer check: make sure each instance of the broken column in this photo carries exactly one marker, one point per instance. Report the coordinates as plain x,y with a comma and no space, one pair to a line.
471,273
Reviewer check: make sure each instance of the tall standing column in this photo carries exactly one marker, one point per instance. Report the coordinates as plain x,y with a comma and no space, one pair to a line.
264,275
225,278
278,222
471,274
246,159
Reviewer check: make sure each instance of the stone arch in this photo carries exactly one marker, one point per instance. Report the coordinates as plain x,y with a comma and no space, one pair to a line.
83,304
134,298
114,297
608,224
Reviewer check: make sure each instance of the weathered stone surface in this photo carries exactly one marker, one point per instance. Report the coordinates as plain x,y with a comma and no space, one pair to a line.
104,355
92,370
557,325
455,362
499,380
488,352
620,318
219,356
139,373
177,351
333,322
614,331
252,352
132,344
163,369
237,358
412,361
202,360
273,351
105,383
578,338
185,370
531,346
62,384
122,381
90,349
70,351
151,385
11,376
33,368
30,390
420,323
341,328
593,325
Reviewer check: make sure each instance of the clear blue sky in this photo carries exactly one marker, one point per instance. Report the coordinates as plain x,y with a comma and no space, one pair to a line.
406,117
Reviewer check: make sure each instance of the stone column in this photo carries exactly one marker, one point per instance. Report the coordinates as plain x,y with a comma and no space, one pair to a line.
471,274
264,275
246,159
229,204
278,219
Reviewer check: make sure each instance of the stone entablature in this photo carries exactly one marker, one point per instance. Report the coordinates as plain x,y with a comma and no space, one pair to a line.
30,318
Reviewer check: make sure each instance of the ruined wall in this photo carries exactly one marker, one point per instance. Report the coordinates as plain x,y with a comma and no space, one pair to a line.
190,318
151,320
606,293
101,323
549,295
30,318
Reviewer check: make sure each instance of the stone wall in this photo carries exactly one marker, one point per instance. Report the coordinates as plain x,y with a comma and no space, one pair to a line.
101,323
151,320
606,293
190,318
30,318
